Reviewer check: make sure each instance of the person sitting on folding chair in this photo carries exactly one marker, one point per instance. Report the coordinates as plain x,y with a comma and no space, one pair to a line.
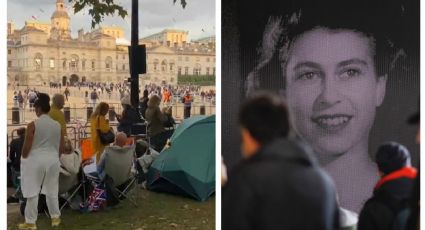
115,166
70,161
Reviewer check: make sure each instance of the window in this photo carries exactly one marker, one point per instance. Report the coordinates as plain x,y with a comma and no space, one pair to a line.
9,64
213,70
93,65
180,58
207,71
155,64
179,71
186,70
108,63
186,58
52,63
64,64
208,59
9,51
73,64
83,64
123,66
198,59
171,66
164,66
196,71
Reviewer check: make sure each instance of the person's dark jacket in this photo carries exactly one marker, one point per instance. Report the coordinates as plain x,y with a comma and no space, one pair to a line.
143,105
280,187
15,152
390,195
129,117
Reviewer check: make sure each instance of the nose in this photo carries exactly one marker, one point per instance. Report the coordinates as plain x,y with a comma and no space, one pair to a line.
329,94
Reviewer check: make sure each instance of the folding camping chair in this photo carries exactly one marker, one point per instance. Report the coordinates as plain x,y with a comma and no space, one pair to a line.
118,166
76,187
86,159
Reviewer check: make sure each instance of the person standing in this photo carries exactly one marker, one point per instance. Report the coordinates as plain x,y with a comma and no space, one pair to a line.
128,117
392,192
94,96
278,185
99,122
187,101
40,164
31,98
56,114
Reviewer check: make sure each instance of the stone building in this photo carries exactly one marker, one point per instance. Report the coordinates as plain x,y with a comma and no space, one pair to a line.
40,53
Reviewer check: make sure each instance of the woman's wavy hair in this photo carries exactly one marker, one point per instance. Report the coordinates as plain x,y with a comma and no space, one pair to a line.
375,22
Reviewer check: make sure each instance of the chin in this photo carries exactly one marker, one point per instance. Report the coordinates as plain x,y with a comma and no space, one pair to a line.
330,148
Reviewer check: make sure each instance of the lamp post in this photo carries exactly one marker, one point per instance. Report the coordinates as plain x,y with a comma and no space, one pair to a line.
137,55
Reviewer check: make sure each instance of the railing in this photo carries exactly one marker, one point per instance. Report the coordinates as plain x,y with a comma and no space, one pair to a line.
79,114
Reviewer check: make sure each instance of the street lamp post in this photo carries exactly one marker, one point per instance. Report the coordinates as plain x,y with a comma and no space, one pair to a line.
137,55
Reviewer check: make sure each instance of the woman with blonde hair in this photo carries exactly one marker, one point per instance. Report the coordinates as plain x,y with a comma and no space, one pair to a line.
99,122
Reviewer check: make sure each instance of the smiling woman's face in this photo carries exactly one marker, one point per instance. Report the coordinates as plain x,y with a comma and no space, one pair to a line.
332,89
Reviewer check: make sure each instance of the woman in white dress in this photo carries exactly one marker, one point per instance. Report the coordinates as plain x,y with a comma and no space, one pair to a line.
40,164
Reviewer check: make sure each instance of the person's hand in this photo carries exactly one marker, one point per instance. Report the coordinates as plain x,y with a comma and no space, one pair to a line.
223,173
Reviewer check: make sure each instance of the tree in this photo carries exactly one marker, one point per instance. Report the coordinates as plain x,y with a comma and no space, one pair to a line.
98,9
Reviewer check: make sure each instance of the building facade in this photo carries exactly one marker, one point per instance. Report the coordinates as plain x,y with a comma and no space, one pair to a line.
40,53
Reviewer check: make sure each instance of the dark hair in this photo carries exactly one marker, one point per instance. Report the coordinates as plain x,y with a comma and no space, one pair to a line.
381,25
42,102
21,131
391,157
266,117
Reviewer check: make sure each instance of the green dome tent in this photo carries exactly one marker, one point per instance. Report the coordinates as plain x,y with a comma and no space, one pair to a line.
187,167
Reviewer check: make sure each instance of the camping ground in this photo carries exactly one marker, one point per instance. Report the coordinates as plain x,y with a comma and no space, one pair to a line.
154,211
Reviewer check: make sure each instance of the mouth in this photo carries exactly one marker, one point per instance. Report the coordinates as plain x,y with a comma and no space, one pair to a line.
333,122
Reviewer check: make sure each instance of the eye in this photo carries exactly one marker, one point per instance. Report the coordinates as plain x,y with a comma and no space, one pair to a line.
307,76
350,73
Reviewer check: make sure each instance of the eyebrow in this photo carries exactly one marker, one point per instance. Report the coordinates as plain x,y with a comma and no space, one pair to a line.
340,64
306,64
353,61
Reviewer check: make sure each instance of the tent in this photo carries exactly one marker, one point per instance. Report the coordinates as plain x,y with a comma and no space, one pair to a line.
187,167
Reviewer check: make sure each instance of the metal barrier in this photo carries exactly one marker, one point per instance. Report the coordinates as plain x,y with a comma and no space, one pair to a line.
80,113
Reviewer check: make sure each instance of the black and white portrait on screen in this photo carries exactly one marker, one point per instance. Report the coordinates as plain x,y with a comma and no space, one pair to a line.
349,71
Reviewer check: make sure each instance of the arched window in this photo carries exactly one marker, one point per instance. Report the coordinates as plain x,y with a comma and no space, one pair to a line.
197,69
164,66
155,64
172,66
38,61
73,63
93,65
64,64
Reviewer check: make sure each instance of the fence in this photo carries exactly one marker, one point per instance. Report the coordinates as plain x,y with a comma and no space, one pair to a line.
82,112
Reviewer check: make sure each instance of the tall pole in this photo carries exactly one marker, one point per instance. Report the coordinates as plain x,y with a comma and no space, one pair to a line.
134,91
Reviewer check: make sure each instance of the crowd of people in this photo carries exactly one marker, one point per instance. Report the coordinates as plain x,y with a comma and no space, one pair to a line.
279,170
48,161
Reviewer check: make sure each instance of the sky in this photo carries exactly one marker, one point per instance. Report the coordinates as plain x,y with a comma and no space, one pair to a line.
154,15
